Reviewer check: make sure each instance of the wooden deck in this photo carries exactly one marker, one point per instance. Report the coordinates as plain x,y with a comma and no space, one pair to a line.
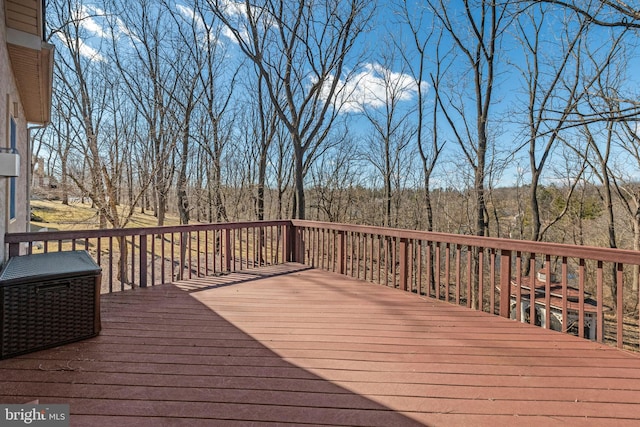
289,345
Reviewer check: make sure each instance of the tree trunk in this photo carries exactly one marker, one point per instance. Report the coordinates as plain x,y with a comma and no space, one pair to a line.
299,207
636,247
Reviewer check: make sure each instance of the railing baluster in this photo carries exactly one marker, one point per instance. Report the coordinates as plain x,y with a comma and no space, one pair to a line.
458,271
227,250
198,252
469,280
379,258
143,261
547,293
110,264
600,309
412,267
252,254
437,271
315,247
581,280
430,278
447,267
394,262
420,272
217,253
189,265
564,279
532,289
133,258
153,259
341,252
122,260
403,264
518,286
99,251
173,257
359,254
415,261
505,284
481,279
492,281
619,305
163,257
247,249
352,254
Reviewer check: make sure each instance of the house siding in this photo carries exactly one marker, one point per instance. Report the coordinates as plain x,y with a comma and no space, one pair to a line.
8,96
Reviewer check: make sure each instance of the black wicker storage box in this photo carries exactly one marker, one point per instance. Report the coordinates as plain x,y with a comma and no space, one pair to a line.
47,300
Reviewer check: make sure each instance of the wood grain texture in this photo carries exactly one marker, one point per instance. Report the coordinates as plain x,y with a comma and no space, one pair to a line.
298,346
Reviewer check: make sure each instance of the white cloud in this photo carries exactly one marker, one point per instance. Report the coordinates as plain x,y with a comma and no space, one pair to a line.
191,16
123,31
229,34
236,13
84,49
232,8
372,88
91,53
85,18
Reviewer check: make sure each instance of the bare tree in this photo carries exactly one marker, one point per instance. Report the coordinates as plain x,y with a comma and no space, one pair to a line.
475,29
430,145
626,186
601,136
63,129
80,76
391,131
335,176
604,13
99,129
552,78
143,58
302,65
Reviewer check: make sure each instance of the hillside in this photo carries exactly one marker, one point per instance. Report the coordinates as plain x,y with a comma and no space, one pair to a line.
53,215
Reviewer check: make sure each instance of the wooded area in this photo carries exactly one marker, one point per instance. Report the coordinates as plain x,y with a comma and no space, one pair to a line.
515,119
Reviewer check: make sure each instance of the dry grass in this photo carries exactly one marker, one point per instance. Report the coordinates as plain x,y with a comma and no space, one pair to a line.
81,216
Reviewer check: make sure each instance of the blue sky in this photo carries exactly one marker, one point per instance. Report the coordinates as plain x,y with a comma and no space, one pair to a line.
367,88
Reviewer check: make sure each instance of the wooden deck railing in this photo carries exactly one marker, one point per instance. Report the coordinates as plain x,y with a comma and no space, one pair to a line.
588,291
147,256
592,289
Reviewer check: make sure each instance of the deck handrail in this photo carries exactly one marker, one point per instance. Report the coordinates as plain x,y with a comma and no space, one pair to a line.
483,273
625,256
183,250
489,274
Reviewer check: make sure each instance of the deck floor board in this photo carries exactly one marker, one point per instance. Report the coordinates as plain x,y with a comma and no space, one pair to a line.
297,346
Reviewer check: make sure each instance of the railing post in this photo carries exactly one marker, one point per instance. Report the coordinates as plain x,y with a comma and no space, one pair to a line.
14,249
505,283
340,246
403,264
287,239
227,249
143,260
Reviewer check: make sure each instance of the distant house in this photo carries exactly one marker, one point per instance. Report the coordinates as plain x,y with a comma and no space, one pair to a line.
558,323
26,74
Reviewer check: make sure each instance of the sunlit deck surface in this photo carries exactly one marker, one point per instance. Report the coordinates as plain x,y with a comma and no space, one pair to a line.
289,345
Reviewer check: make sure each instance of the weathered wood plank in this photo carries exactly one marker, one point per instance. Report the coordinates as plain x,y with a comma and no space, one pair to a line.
316,348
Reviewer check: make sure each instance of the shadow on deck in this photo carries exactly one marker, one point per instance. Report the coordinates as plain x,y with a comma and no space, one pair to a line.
292,345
